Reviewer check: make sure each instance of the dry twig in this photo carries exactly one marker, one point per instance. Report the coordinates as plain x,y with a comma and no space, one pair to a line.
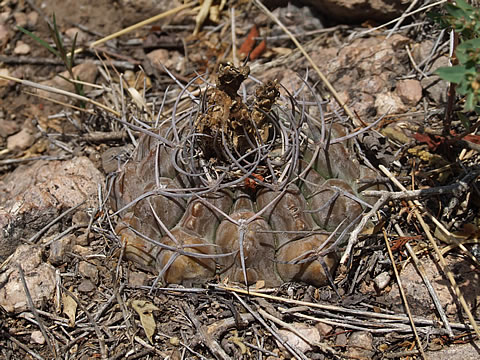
404,297
443,263
310,60
428,284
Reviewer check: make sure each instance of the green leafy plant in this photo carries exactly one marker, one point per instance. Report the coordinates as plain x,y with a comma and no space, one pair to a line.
464,19
60,51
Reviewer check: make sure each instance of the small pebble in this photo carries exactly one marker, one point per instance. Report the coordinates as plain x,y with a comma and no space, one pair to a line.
86,286
137,278
82,250
5,72
20,19
88,270
21,48
37,337
80,218
341,339
32,19
81,36
4,35
5,15
58,249
410,91
382,280
324,329
21,140
360,345
82,240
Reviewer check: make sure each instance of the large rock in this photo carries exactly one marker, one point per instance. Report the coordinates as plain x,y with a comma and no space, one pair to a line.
34,194
85,72
359,10
364,73
418,297
39,276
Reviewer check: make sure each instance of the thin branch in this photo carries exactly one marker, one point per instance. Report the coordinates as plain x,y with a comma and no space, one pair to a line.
404,297
442,260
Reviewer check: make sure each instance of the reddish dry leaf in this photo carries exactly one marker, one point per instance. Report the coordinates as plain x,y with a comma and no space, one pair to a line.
432,141
259,50
249,42
250,183
472,138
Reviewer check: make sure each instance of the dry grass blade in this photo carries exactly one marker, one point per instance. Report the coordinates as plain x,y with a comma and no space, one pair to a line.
310,60
404,297
60,92
202,15
296,353
402,17
211,343
100,337
143,23
387,318
428,284
289,327
432,241
35,312
234,36
423,8
60,102
352,241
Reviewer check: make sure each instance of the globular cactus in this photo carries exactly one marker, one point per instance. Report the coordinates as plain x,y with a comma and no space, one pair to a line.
248,190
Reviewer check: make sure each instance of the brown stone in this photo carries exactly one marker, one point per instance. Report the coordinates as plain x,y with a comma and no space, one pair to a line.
32,19
35,194
172,60
323,328
360,10
409,91
85,72
360,345
137,278
21,140
40,278
436,88
4,35
59,249
21,48
82,37
20,18
88,270
8,127
86,286
307,331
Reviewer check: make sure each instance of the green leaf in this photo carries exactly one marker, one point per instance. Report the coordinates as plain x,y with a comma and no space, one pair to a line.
66,79
464,48
71,59
470,102
38,40
455,11
462,4
454,74
57,37
477,110
438,18
464,87
464,120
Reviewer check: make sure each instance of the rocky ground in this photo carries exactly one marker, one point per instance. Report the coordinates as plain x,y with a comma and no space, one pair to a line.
65,290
